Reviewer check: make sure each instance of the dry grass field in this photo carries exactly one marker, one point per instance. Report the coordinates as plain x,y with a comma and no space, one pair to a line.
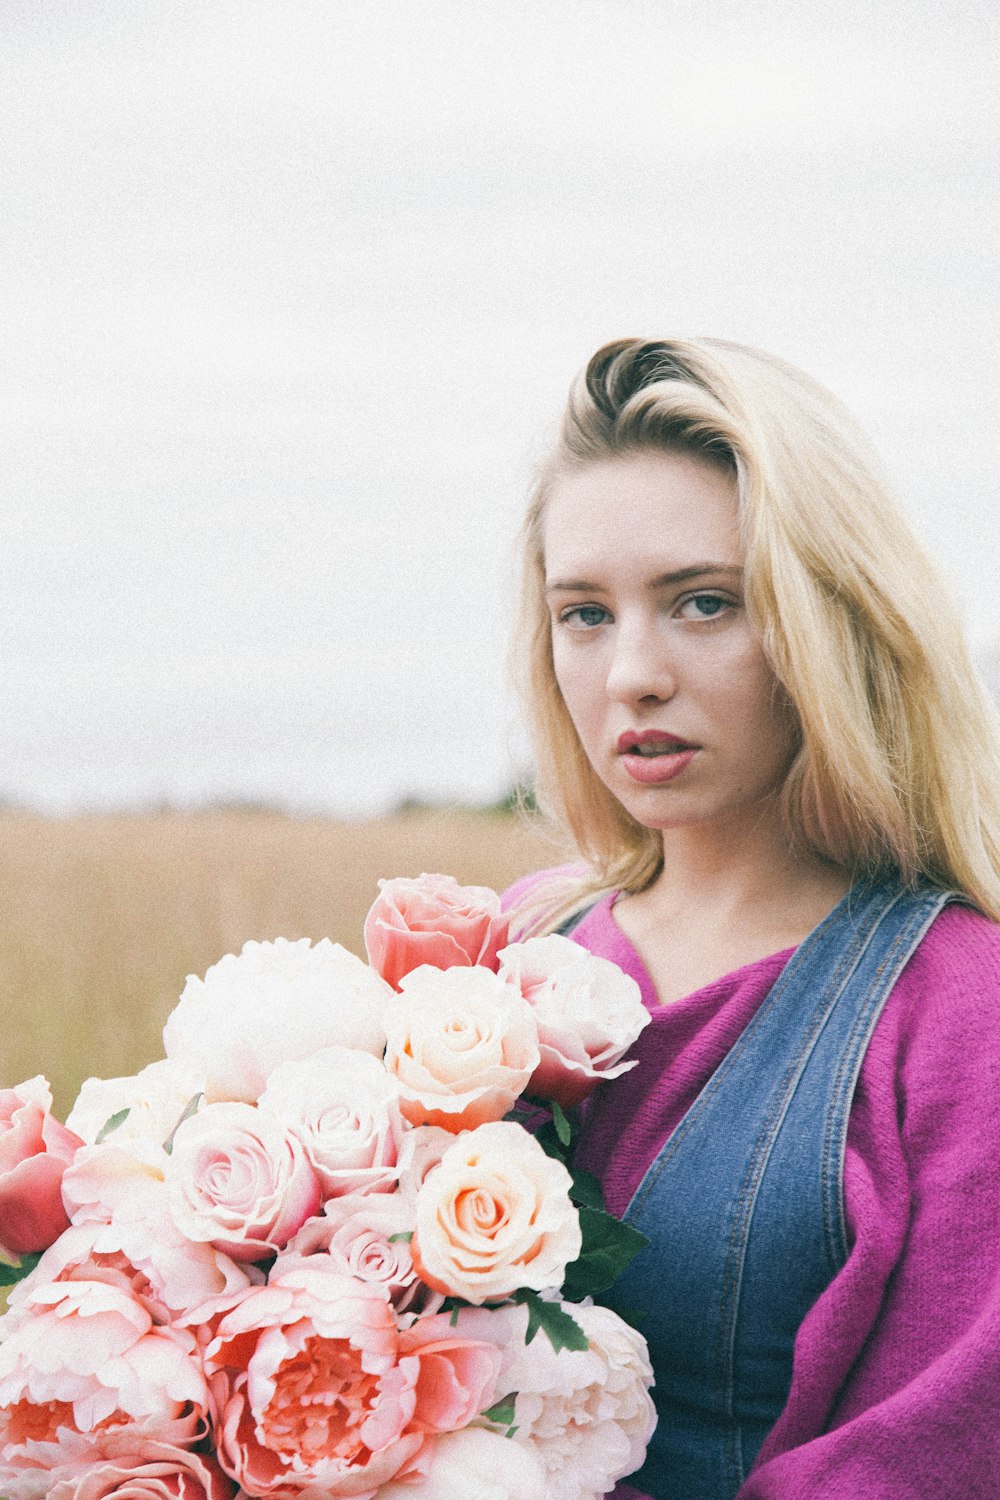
102,918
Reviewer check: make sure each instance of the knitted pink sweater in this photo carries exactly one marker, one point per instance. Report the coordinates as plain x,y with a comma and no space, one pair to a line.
896,1386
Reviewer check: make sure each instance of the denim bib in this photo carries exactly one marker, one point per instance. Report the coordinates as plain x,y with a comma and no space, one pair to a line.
744,1205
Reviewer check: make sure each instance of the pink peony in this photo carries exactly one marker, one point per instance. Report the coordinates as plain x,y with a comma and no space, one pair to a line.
35,1150
495,1216
317,1393
81,1360
240,1181
588,1014
133,1469
461,1044
432,920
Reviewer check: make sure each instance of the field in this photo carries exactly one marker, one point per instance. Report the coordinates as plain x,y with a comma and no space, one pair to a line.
102,918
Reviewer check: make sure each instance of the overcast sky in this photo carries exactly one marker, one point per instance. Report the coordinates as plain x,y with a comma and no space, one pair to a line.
291,295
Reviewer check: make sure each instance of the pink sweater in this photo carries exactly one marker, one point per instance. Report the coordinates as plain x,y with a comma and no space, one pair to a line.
896,1386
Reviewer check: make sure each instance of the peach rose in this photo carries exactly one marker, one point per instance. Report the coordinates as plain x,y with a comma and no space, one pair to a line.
240,1181
81,1360
275,1002
35,1150
317,1392
142,1470
344,1108
432,920
461,1045
495,1216
588,1013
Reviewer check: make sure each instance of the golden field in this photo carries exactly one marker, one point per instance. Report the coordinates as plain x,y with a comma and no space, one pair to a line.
103,917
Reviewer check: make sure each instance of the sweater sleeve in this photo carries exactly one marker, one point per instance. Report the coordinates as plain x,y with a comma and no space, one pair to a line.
896,1385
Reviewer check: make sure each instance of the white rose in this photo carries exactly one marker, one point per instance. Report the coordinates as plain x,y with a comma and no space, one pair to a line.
494,1216
275,1002
587,1010
474,1463
344,1108
462,1045
587,1414
155,1099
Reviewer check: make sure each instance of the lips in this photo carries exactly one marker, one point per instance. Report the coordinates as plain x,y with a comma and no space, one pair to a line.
651,742
653,757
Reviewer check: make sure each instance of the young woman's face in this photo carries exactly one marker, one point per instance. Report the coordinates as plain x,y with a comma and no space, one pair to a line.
664,679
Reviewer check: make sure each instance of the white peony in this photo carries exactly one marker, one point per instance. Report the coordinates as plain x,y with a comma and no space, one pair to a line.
275,1002
587,1414
155,1099
475,1464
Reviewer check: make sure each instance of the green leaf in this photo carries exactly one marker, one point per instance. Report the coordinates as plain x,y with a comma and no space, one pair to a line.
608,1246
9,1275
112,1123
548,1138
586,1189
563,1331
564,1129
402,1238
502,1412
190,1108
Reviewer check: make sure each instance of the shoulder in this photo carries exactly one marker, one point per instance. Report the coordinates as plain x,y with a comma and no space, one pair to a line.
957,960
939,1036
542,885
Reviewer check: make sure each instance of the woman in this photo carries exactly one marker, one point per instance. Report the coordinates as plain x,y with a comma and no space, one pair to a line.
754,713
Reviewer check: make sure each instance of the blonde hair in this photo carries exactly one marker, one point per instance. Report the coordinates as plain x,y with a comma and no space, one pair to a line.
899,764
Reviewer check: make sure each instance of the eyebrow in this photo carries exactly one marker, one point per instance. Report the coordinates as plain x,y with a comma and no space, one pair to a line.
663,580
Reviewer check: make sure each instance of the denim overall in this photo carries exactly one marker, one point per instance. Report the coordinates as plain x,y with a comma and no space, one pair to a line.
744,1204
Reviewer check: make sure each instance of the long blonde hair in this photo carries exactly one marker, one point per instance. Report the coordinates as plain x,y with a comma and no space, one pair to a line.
899,764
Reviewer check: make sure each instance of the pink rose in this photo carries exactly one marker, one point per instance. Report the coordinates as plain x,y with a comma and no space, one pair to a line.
239,1180
494,1216
317,1392
35,1150
82,1360
433,920
588,1013
461,1044
369,1235
142,1470
344,1108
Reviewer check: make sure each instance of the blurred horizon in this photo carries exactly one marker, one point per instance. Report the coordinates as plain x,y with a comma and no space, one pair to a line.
293,292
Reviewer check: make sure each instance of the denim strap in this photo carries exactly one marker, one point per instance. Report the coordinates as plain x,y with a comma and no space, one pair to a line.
744,1203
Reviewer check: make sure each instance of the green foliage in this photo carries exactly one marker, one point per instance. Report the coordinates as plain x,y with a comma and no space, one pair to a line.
111,1124
11,1274
562,1329
608,1246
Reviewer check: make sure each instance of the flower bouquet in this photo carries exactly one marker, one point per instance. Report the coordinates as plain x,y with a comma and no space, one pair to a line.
330,1245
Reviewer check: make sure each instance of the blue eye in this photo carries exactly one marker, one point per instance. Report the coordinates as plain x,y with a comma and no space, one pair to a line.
705,606
583,616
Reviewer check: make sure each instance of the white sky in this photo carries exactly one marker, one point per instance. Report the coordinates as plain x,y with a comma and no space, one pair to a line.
291,293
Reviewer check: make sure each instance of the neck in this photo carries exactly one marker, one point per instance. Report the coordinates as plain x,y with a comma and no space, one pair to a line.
731,870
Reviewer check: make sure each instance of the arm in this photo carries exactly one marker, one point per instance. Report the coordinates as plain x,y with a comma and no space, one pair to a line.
896,1391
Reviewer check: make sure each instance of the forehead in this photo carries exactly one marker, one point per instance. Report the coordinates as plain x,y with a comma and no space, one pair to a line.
671,509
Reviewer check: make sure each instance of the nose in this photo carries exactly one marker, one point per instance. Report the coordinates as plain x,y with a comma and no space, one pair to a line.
641,665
